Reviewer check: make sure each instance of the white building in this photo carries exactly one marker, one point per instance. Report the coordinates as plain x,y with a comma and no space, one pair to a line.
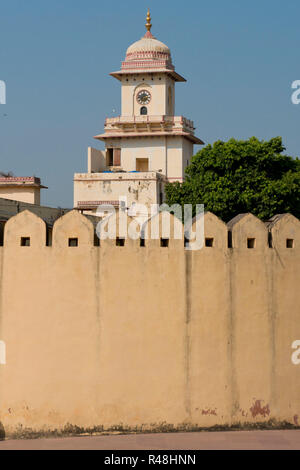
147,146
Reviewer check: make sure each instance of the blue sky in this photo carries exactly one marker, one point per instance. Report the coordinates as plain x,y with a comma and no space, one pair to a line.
240,59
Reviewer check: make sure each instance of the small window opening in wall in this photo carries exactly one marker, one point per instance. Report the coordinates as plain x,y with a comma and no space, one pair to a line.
164,242
143,242
120,241
251,243
270,240
229,239
48,236
144,111
290,243
1,233
110,157
142,164
25,241
73,242
96,240
209,242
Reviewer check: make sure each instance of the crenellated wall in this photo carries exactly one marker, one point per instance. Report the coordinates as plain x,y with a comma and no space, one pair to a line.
138,336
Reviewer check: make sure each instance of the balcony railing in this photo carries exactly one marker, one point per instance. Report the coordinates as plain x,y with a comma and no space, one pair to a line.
177,122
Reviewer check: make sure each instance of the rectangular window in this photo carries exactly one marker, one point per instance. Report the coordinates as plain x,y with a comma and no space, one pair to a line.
96,240
48,236
290,243
117,157
110,157
209,242
25,241
73,242
1,233
164,242
229,239
270,240
142,242
120,242
142,164
251,243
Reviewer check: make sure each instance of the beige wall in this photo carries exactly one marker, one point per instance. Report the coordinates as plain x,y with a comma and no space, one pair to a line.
139,188
133,336
29,195
96,160
251,317
151,148
209,329
167,153
180,152
285,305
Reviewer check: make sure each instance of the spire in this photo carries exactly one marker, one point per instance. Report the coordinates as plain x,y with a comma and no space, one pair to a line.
148,26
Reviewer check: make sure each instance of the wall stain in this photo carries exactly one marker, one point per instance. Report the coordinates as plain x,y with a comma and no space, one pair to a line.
21,432
106,187
257,409
243,413
209,412
296,420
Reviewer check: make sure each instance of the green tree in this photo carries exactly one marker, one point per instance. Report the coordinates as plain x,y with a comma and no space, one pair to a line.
238,176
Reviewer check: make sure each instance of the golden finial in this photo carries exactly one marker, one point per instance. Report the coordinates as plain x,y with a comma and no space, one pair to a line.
148,24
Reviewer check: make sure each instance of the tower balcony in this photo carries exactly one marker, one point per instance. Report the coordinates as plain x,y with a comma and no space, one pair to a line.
149,126
141,123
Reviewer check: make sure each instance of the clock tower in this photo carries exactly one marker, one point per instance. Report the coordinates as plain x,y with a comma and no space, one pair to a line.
147,145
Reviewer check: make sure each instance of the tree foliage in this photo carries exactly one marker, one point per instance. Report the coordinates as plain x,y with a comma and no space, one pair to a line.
238,176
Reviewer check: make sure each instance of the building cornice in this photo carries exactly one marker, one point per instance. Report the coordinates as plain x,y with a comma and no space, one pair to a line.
142,68
128,135
120,176
21,181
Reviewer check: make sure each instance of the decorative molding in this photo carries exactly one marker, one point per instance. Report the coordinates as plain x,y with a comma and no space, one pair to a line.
95,204
18,179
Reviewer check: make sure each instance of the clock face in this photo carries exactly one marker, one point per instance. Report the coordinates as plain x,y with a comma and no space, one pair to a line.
143,97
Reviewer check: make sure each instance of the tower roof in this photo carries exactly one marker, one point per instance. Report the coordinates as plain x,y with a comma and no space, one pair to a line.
147,44
148,55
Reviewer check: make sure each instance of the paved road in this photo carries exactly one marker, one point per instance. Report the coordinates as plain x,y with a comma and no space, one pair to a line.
189,441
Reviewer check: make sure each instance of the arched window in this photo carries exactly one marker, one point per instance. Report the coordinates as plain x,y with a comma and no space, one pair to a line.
144,111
